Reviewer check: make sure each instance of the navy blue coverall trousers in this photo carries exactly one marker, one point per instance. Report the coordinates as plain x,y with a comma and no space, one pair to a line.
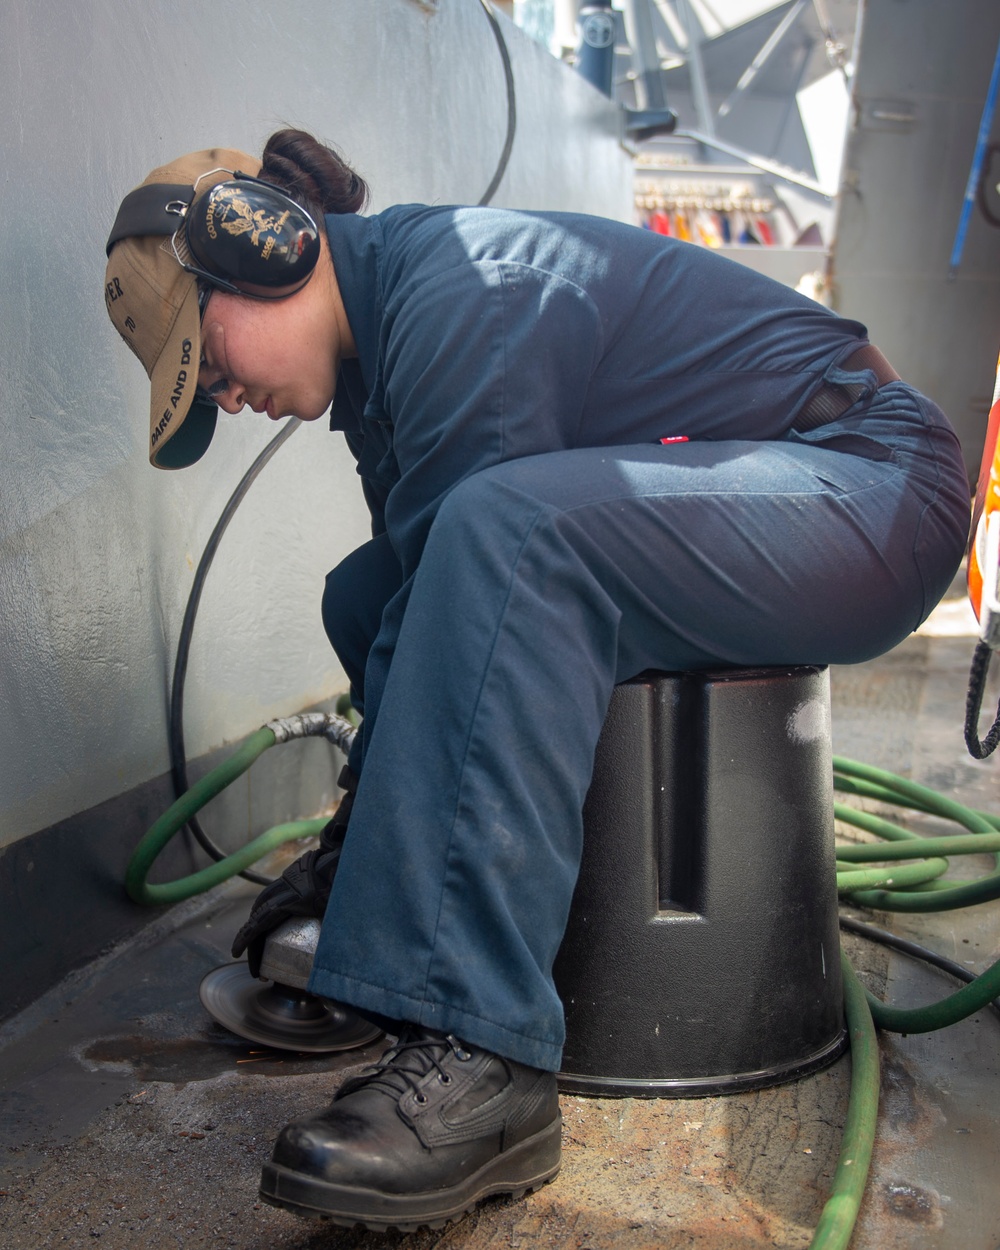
536,542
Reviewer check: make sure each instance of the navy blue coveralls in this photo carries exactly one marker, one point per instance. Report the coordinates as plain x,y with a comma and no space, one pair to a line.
536,542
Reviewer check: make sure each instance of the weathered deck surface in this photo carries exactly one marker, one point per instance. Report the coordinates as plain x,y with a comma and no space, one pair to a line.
130,1120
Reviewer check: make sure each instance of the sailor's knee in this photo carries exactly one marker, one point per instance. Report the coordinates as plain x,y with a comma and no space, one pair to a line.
486,500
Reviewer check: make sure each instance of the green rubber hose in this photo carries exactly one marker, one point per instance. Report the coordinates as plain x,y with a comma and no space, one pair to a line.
912,793
964,1002
912,894
859,880
840,1212
309,724
968,844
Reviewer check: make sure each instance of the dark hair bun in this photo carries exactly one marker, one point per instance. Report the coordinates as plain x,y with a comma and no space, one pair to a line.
313,174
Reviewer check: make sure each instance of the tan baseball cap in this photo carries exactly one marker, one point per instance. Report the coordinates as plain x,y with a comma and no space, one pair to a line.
153,303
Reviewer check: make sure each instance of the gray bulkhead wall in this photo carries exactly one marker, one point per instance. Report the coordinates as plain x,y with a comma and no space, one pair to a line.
923,72
98,549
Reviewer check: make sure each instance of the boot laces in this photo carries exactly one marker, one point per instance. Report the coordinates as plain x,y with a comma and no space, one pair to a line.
416,1053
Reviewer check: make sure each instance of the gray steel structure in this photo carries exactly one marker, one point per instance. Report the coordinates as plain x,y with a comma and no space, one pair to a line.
923,70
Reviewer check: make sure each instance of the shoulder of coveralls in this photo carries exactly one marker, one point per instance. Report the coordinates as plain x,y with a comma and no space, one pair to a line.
574,246
629,272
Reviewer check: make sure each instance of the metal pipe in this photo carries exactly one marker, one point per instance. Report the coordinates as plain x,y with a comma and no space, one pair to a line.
755,66
649,89
758,162
702,103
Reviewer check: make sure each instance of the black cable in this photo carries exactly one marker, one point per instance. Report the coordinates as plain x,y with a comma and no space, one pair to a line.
508,74
979,749
914,949
178,758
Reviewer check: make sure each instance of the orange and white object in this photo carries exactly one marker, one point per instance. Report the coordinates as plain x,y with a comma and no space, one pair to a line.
984,549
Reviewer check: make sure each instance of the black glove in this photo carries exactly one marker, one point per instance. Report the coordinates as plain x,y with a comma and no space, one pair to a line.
303,889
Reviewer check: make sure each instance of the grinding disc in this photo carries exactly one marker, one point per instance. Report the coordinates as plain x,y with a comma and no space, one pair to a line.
279,1016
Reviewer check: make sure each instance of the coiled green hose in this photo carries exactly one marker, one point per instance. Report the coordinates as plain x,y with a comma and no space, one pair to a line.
913,887
309,724
929,895
902,892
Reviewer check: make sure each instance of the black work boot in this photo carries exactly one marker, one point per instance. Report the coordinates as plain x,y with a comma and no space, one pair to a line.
420,1138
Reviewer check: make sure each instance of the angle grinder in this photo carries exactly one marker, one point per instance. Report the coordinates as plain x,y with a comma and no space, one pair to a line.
277,1010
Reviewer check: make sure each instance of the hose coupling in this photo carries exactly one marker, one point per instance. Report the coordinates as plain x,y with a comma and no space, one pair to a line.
301,725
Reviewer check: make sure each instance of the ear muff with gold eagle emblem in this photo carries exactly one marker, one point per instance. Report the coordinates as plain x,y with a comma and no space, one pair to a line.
243,235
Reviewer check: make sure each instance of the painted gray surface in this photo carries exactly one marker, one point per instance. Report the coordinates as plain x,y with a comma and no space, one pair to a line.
97,549
903,185
62,898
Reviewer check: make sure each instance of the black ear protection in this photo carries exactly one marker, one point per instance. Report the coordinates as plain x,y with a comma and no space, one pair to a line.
244,236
